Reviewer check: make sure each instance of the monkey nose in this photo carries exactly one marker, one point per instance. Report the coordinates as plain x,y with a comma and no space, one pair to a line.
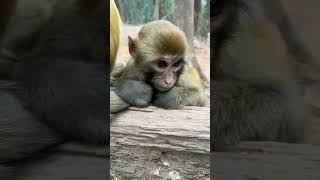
167,82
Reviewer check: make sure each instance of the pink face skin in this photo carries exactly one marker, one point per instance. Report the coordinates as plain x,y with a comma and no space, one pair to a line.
166,72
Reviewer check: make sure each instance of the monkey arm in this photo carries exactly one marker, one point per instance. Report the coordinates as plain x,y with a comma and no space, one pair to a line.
133,92
179,97
129,89
22,134
67,94
116,103
187,92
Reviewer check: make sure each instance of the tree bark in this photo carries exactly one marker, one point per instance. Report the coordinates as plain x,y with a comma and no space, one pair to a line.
197,11
156,13
185,20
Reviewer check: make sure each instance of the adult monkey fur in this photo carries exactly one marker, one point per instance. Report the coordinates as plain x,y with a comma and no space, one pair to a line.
159,71
256,95
116,103
55,90
114,33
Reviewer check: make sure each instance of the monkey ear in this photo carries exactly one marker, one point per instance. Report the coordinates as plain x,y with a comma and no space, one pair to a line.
132,46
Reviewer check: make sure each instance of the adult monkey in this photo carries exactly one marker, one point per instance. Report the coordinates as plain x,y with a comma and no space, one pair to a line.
255,92
114,33
55,90
116,103
29,17
159,71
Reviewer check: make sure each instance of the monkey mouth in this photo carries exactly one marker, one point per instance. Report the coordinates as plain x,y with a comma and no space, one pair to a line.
163,89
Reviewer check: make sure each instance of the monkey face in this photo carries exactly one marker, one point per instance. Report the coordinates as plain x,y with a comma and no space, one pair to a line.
165,72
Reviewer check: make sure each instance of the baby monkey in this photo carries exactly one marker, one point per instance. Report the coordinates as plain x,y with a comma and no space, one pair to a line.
159,72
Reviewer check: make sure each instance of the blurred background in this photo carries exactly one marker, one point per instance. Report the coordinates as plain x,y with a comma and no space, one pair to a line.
304,15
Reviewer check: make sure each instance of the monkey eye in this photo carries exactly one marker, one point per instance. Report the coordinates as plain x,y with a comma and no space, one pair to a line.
178,63
162,64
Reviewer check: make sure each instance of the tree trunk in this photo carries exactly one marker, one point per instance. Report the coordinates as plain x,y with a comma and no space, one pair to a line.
162,9
184,17
156,13
197,11
186,22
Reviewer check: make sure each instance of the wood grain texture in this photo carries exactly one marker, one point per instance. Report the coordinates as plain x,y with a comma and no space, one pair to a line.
185,130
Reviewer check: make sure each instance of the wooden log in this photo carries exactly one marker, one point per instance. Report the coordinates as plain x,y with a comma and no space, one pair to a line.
185,130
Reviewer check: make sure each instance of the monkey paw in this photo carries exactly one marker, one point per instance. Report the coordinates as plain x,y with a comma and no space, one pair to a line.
168,100
136,93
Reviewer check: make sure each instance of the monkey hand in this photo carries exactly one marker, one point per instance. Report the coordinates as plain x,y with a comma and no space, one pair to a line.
179,97
116,103
170,99
136,93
